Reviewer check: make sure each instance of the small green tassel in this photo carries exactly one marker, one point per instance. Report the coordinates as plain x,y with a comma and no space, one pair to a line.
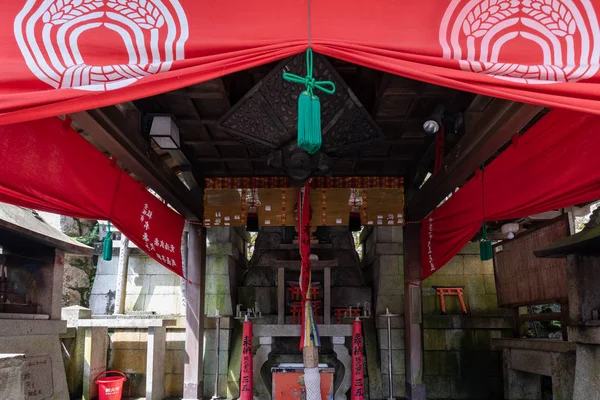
107,246
304,121
485,246
315,131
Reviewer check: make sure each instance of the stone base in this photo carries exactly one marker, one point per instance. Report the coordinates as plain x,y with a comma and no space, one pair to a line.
42,350
11,376
587,379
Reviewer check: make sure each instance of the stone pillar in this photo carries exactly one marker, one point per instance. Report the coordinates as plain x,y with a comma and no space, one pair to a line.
77,351
96,341
587,379
194,318
122,266
342,354
519,385
155,363
54,298
413,313
260,358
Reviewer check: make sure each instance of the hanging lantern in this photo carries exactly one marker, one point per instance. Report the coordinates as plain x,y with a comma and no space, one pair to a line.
252,216
485,246
107,246
252,220
354,223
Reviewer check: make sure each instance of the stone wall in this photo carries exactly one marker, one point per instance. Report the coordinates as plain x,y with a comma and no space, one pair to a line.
128,352
79,270
225,266
150,286
383,263
459,362
467,270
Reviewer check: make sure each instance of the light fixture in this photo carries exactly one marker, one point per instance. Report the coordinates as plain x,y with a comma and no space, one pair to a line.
354,224
509,230
433,123
165,132
252,220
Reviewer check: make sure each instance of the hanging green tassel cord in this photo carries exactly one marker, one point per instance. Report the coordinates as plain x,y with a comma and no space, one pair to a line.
309,106
107,246
485,246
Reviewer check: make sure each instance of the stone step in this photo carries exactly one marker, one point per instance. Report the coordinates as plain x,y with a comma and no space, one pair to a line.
294,265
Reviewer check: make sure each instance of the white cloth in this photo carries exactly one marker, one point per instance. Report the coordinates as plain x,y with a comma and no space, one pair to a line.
312,382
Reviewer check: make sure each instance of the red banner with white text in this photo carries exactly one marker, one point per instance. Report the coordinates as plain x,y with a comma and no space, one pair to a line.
61,56
554,164
48,166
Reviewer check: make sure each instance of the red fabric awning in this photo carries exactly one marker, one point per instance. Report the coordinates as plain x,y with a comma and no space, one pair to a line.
48,166
64,56
555,164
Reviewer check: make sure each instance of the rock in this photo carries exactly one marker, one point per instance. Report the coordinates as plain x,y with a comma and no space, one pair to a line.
70,226
70,297
347,277
75,278
341,239
268,240
260,277
75,227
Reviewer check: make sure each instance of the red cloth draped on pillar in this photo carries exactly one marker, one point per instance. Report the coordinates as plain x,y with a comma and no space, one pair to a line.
358,382
48,166
554,164
310,334
246,377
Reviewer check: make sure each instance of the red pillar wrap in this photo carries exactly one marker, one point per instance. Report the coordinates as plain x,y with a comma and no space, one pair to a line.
304,239
358,382
246,382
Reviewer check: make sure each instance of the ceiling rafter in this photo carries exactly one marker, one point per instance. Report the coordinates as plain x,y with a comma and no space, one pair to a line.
119,134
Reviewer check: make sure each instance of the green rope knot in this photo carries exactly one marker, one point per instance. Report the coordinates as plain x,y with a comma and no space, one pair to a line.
107,246
309,106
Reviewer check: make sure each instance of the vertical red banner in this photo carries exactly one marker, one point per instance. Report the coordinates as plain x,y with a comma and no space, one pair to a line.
246,381
358,382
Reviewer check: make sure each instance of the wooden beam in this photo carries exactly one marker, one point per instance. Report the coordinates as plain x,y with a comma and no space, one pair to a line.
553,316
264,159
500,120
120,136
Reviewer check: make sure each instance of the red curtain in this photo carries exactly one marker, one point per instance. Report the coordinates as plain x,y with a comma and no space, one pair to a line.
555,164
48,166
52,61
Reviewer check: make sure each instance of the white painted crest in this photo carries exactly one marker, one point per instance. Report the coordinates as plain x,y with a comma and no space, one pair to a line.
153,33
564,32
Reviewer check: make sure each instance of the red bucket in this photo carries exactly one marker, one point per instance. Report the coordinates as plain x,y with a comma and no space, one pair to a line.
110,387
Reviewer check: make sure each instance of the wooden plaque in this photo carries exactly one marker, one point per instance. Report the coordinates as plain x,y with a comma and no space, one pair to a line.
521,277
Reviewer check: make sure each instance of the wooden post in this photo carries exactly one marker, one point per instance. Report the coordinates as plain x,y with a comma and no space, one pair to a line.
281,296
327,296
194,318
413,313
122,276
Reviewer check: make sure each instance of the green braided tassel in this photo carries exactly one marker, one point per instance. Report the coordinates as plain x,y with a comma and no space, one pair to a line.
315,132
485,246
304,121
107,246
309,107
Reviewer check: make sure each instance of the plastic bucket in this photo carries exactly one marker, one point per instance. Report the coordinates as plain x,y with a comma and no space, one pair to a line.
110,387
